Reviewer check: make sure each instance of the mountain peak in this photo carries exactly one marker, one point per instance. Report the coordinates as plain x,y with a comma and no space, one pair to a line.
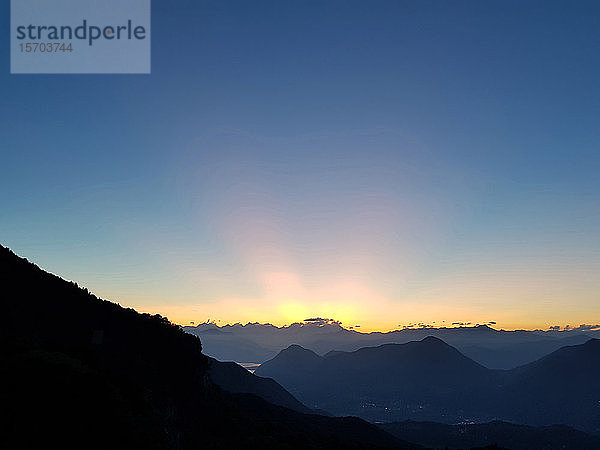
432,340
295,347
297,351
292,356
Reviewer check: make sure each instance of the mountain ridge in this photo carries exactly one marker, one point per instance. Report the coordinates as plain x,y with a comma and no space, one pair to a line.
431,380
496,349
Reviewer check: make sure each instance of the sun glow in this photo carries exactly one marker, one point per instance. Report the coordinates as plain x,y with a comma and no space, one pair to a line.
290,312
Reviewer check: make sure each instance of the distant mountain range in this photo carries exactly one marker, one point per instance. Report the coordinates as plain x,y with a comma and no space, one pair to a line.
495,349
81,372
431,380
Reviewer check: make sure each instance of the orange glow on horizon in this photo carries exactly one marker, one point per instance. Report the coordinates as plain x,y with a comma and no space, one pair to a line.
289,313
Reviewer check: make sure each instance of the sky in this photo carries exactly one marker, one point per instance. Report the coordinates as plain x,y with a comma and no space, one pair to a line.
380,163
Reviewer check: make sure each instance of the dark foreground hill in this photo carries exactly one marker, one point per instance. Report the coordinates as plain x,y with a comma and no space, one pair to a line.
429,380
503,434
81,372
233,378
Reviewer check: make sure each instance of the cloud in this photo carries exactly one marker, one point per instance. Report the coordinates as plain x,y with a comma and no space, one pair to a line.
321,321
582,327
425,325
585,327
417,326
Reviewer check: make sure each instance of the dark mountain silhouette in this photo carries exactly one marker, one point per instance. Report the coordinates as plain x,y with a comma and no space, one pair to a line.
393,362
81,372
503,434
423,376
562,387
430,380
231,377
495,349
293,355
508,355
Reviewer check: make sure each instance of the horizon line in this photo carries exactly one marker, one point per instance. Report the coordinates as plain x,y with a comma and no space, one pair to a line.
328,322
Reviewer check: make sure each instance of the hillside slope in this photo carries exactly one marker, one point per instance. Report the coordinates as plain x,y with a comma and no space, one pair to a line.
81,372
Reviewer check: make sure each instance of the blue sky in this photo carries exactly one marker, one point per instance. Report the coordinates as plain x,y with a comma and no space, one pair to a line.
378,162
